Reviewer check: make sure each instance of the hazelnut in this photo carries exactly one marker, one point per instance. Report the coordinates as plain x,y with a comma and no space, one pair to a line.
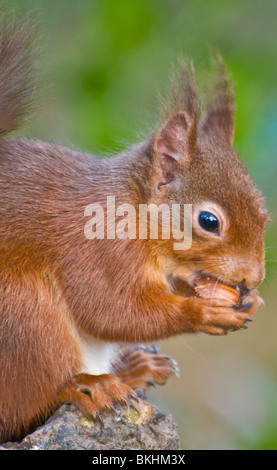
208,288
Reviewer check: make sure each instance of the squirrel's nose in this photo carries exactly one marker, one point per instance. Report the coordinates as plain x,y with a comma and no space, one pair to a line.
253,278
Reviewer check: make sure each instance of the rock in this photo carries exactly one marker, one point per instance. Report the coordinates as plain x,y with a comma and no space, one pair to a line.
139,426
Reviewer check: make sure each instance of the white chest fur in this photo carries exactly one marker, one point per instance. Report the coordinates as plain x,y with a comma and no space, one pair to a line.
97,355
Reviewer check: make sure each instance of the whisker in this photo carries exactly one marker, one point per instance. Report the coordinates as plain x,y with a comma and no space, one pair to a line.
192,273
201,260
271,271
218,280
266,282
205,267
206,263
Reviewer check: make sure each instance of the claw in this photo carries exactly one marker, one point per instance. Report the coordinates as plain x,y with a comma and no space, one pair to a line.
86,392
137,407
134,397
151,383
125,403
113,410
176,371
170,359
246,306
154,349
174,365
100,421
241,308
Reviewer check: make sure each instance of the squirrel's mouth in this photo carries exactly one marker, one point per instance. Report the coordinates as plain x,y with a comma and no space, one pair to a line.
240,288
190,287
216,279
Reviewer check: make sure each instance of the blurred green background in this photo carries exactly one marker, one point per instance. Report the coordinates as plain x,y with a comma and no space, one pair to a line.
103,64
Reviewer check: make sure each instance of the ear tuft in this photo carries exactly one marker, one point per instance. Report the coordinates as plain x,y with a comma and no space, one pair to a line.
220,104
182,93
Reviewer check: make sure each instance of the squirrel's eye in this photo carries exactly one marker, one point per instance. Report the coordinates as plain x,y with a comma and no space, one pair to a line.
208,222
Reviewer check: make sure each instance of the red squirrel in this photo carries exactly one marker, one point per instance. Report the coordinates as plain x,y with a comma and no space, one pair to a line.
74,309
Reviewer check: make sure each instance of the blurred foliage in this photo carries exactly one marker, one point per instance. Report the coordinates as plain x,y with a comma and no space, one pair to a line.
103,64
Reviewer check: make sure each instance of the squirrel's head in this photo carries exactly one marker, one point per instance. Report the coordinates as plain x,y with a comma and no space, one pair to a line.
193,162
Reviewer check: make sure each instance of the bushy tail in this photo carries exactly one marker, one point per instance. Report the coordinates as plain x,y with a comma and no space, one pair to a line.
17,84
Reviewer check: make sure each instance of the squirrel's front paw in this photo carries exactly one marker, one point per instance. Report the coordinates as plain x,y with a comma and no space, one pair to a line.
140,367
218,316
250,303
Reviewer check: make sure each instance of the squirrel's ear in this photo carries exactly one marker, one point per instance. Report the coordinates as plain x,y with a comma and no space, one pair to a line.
172,148
221,104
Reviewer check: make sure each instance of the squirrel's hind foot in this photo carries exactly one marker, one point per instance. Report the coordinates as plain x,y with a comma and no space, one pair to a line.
93,394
